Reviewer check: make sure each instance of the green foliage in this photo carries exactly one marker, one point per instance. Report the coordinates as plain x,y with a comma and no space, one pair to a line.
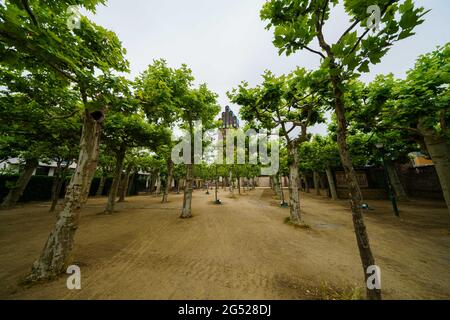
36,117
288,101
296,23
38,34
318,154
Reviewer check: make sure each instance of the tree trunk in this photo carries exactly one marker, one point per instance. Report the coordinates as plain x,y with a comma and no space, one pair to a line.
396,184
125,183
276,185
355,197
187,199
305,178
57,249
281,191
216,186
316,183
115,183
169,180
56,177
439,151
17,190
239,184
101,186
60,175
294,196
130,183
152,182
331,183
158,184
231,184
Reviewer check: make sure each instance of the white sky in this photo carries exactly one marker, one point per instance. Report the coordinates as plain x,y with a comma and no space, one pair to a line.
225,42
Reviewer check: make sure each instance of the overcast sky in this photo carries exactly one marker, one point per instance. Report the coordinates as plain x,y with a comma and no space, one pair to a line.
225,42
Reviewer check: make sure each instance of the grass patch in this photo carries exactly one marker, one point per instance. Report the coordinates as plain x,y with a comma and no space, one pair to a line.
302,225
327,291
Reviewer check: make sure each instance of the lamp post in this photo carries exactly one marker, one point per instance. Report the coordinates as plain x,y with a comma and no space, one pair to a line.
390,192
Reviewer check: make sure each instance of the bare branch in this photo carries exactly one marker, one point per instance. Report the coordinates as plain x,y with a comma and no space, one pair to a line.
315,51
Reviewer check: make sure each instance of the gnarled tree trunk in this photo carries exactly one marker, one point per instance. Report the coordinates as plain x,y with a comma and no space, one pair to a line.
57,249
16,192
115,183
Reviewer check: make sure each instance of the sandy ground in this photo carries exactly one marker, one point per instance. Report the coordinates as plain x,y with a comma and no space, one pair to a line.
241,249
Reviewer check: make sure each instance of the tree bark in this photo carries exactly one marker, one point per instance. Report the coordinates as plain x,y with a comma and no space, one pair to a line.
187,199
239,184
54,197
17,190
125,183
186,212
158,184
169,180
331,183
152,182
115,183
362,238
355,196
57,249
396,184
305,178
231,184
130,183
294,196
60,175
276,185
216,187
439,151
316,183
281,190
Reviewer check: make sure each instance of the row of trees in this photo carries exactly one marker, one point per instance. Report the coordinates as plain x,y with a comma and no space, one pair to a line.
62,99
296,101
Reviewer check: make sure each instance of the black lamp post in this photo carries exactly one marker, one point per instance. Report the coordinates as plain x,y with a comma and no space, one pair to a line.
389,190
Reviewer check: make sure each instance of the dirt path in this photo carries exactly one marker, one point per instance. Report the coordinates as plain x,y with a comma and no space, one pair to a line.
239,250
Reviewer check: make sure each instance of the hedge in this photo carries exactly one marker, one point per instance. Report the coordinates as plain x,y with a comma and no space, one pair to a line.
40,187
